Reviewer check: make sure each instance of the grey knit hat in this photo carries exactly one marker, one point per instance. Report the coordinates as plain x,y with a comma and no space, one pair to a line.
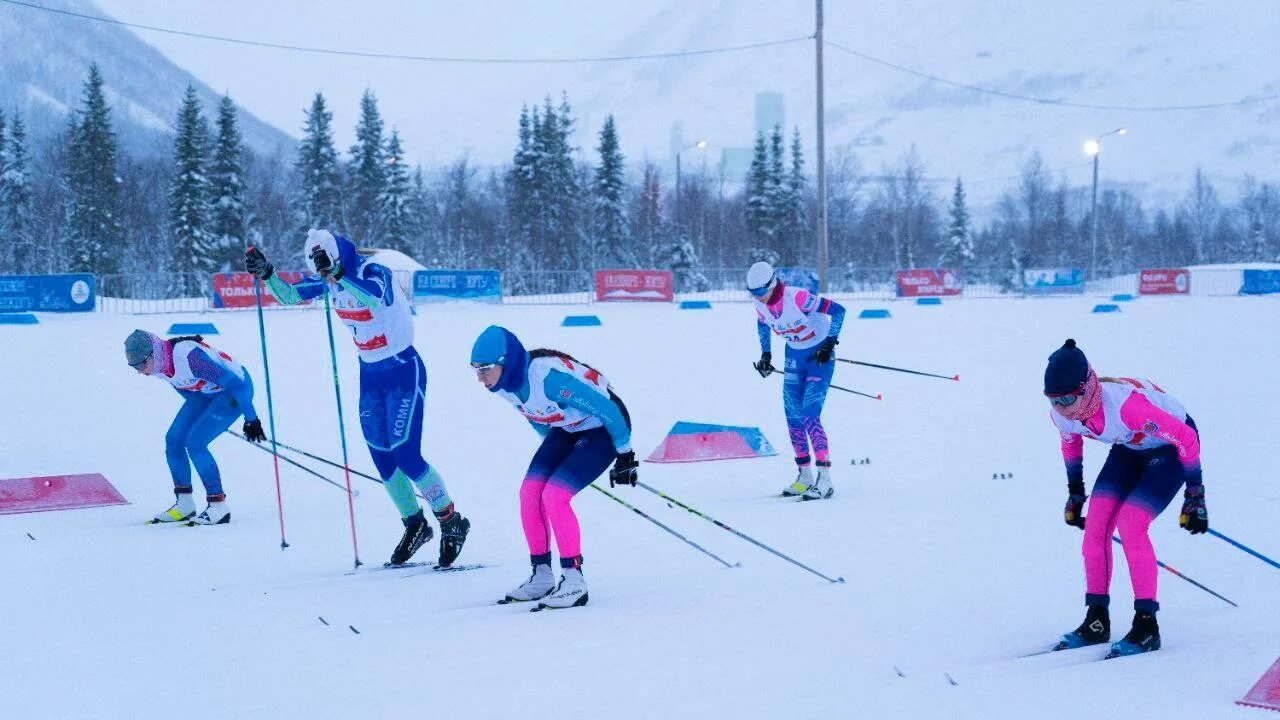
137,347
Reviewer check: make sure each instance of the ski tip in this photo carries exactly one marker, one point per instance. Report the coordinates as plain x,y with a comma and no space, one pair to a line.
956,378
950,679
899,672
879,396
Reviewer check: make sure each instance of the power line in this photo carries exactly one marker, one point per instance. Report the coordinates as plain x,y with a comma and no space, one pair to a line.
416,58
1048,101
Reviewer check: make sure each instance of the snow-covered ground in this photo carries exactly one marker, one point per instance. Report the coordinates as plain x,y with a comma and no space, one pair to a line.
951,571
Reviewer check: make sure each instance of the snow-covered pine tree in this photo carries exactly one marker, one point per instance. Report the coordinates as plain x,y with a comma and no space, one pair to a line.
794,230
16,203
395,205
195,250
776,194
757,217
682,259
648,227
93,233
228,228
366,175
609,242
317,203
959,252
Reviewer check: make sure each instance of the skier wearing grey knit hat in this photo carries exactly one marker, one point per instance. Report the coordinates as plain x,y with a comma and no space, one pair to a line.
216,390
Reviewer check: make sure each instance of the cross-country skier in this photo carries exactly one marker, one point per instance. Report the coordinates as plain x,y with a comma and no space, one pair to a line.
584,427
1155,450
810,324
393,380
215,390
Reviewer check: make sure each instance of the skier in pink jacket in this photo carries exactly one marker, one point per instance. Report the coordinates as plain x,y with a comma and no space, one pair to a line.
1155,451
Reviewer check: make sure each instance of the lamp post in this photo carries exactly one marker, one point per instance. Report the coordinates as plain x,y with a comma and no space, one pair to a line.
1094,147
698,144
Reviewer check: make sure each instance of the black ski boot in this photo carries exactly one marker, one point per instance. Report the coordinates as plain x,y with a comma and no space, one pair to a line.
453,533
417,531
1095,629
1144,637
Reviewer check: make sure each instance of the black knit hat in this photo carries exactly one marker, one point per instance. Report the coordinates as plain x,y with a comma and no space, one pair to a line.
1067,370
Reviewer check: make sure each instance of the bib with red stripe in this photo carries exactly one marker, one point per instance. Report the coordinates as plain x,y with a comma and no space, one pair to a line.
184,379
543,410
1114,431
381,332
795,318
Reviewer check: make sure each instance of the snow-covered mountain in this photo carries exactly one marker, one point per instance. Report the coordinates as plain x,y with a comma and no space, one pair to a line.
45,60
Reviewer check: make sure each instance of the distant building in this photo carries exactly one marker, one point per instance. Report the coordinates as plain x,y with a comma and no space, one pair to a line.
770,111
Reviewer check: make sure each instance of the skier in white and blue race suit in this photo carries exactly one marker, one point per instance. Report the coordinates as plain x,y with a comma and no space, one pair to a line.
393,379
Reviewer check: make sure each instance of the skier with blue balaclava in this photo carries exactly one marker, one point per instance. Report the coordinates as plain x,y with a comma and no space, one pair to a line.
393,380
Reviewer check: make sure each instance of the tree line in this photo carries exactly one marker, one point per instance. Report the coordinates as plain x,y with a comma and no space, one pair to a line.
75,203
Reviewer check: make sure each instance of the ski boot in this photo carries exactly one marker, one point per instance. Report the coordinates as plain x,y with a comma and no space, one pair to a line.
453,533
184,508
1095,629
571,592
217,513
821,488
417,531
804,478
539,585
1143,637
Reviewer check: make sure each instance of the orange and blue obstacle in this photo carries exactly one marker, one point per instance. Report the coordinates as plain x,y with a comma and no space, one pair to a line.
696,442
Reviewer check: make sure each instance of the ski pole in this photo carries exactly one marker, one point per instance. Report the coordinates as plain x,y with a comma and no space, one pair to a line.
342,431
331,463
748,538
271,413
1245,548
877,396
294,463
639,512
898,369
1184,577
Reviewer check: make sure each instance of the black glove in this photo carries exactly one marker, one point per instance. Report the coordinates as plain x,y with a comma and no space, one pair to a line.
1194,518
765,364
253,431
324,264
255,263
624,470
1073,513
825,350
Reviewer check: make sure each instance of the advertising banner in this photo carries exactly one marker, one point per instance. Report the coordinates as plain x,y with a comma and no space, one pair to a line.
47,293
1053,281
929,282
441,285
235,290
1175,281
1260,282
635,286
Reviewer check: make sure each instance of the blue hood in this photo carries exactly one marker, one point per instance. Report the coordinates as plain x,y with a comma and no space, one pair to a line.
499,345
348,258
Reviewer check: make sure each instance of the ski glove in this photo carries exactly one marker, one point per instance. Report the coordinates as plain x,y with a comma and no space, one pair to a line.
255,263
624,470
324,264
253,431
1194,518
825,350
765,364
1073,513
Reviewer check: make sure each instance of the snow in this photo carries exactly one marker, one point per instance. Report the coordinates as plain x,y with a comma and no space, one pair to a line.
950,572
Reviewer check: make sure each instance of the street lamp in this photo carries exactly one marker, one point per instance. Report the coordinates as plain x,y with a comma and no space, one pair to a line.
1094,148
698,144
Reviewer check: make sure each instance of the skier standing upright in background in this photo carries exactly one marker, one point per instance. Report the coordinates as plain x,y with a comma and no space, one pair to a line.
216,390
584,427
393,380
1155,450
810,324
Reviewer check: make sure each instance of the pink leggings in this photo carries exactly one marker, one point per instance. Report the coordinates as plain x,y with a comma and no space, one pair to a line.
1132,519
544,508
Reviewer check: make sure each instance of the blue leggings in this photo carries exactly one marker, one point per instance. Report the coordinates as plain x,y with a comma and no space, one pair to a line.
392,393
804,392
200,419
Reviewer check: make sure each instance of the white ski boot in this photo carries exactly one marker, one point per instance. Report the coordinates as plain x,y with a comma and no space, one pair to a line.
821,488
540,584
804,478
571,592
184,508
216,514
